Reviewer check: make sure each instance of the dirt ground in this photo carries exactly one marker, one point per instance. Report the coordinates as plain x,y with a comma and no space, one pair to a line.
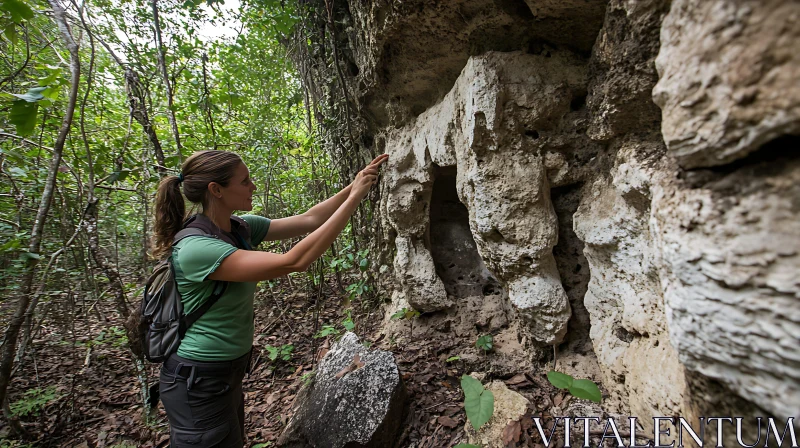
94,397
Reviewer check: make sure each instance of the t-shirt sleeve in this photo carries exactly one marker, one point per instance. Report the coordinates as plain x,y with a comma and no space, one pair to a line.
259,226
198,257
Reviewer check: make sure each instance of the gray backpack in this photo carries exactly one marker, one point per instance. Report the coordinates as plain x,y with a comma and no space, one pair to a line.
162,322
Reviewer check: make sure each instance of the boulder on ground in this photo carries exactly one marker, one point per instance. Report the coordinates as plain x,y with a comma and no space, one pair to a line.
356,399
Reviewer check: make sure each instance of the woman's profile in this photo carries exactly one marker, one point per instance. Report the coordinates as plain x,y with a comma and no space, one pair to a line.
201,384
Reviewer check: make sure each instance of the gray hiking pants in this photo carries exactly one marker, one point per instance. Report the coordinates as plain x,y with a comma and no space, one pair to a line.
204,402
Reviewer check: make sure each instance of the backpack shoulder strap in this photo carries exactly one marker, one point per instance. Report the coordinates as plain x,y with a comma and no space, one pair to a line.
219,289
241,229
190,231
189,319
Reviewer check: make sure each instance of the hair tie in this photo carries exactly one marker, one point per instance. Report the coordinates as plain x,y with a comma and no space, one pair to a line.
180,177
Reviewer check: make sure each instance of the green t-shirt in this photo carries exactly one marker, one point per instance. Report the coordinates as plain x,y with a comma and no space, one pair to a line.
225,331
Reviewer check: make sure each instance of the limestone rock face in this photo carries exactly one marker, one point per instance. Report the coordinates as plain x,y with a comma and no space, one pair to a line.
616,177
621,69
728,78
730,251
494,128
425,44
357,398
624,297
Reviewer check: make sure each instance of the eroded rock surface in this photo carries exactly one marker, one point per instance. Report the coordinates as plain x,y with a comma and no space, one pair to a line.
730,252
495,127
664,134
728,78
408,54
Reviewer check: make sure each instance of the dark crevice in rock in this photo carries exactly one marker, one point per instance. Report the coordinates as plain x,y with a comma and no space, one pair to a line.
578,102
771,159
455,254
623,334
572,265
769,156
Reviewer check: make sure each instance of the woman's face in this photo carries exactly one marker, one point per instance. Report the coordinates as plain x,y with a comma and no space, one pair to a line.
238,195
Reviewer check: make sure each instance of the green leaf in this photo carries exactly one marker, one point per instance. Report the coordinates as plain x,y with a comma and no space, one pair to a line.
23,116
49,79
32,95
30,255
10,31
399,314
478,402
19,10
586,389
453,358
471,386
560,380
485,342
363,264
51,92
348,324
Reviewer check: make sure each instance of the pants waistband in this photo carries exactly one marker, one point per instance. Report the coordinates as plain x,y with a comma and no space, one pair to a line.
184,367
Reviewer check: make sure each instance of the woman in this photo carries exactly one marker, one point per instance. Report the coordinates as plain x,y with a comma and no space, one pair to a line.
201,384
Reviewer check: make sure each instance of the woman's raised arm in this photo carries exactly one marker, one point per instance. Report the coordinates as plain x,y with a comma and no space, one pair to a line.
251,266
298,225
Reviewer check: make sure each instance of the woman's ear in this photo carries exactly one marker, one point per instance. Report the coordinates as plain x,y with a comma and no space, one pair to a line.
215,190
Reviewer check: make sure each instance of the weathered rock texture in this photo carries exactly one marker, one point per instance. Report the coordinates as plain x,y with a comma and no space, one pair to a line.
496,127
729,72
356,399
664,135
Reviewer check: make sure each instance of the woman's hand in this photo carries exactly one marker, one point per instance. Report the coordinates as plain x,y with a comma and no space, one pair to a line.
367,177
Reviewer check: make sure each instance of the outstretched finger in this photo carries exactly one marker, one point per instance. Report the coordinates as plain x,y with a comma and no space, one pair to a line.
378,161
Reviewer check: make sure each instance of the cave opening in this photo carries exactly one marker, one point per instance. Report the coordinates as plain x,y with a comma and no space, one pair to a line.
455,254
572,266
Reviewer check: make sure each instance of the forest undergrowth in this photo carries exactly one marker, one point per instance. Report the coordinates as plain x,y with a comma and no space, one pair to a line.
81,390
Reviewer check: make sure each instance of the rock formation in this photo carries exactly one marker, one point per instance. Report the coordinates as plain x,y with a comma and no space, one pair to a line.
356,398
623,175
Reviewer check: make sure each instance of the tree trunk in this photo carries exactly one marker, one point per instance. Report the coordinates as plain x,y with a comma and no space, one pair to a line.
139,112
138,108
12,332
162,63
108,268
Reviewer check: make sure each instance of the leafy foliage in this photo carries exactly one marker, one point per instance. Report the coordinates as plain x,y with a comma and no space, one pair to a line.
478,402
327,330
33,401
348,323
282,353
581,388
485,342
405,313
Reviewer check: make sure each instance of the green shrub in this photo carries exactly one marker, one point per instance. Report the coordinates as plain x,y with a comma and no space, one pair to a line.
33,401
